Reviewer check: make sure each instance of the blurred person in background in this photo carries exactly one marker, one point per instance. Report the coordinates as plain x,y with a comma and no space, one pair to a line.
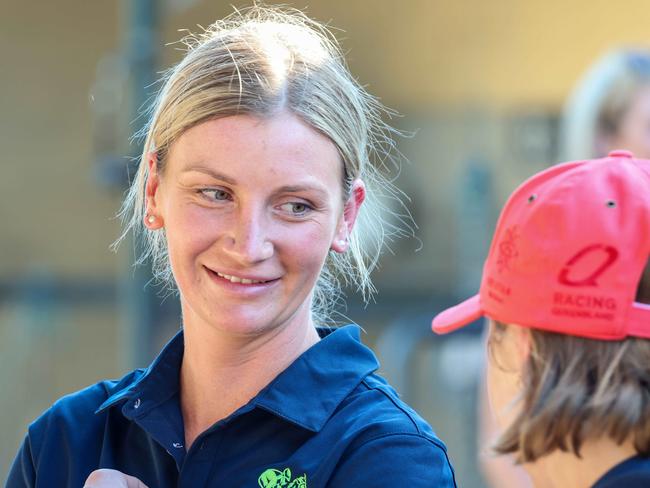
610,107
566,289
253,195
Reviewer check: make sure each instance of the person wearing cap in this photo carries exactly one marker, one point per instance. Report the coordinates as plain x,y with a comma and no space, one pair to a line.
608,108
565,289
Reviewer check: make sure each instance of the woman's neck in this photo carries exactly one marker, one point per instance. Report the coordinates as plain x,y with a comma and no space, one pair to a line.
560,469
222,372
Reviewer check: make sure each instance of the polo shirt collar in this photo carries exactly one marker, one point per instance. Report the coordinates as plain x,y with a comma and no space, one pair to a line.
155,384
312,387
306,393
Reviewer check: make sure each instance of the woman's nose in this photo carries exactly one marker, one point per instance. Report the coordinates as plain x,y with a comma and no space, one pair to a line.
249,239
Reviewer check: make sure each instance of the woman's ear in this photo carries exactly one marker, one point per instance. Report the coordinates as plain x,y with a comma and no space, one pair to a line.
351,208
152,219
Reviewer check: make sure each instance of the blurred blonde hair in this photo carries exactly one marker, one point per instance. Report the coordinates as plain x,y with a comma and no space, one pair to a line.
260,61
600,99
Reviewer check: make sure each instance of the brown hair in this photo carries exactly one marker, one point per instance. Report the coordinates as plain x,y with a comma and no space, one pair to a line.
576,389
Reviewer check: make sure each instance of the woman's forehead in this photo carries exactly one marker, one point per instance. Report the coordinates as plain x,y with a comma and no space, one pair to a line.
284,135
284,132
241,147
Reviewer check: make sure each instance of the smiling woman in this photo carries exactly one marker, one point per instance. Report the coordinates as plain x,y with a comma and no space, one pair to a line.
249,228
254,187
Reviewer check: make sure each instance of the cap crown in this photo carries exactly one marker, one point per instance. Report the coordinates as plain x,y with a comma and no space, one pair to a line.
569,250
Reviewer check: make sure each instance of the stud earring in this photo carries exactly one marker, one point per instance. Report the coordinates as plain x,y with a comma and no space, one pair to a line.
151,219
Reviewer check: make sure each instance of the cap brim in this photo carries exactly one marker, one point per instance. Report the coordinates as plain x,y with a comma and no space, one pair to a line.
456,317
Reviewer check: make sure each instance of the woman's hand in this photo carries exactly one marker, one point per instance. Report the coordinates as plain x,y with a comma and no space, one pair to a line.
111,478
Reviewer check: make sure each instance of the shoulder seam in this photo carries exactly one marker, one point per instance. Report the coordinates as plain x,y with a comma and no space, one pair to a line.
399,407
406,434
436,443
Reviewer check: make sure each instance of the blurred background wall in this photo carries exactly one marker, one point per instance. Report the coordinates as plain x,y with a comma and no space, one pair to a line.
480,84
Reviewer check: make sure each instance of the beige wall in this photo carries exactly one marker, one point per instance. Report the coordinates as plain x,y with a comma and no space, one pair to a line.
501,53
52,213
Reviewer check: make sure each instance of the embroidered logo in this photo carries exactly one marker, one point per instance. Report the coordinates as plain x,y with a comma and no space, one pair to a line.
609,255
274,478
508,249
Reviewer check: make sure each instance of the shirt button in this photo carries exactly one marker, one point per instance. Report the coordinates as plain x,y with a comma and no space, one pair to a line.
137,404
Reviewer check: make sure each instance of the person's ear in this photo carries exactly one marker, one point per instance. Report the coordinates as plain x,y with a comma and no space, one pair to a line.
351,208
509,345
522,340
152,219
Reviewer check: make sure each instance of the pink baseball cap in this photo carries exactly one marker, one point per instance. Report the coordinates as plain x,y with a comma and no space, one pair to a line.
568,252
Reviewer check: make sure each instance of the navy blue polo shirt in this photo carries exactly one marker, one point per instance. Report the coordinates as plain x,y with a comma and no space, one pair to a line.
631,473
327,420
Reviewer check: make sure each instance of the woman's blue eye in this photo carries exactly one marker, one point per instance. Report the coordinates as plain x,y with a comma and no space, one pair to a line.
296,208
299,208
218,195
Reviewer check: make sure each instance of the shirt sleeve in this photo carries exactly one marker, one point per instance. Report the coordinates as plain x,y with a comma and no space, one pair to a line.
395,461
22,473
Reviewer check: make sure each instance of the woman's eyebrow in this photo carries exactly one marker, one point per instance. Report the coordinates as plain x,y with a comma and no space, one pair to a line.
301,188
211,172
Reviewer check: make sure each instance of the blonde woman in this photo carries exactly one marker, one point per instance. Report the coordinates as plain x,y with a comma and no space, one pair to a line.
610,107
254,185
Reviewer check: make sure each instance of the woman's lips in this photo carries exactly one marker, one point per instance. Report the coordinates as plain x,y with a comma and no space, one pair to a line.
237,279
240,281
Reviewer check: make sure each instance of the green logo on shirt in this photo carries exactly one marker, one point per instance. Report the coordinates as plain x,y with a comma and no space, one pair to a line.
274,478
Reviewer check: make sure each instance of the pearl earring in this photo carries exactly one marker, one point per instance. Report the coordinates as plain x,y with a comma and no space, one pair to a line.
151,219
